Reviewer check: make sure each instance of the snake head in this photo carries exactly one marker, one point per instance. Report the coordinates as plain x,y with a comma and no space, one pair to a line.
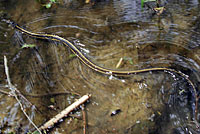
12,23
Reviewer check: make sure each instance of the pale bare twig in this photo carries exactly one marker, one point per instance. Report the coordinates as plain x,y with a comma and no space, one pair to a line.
65,112
119,63
13,92
7,73
4,92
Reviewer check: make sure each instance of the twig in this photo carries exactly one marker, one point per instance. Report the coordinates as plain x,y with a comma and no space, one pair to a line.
4,92
84,120
65,112
26,114
18,93
119,63
7,73
13,90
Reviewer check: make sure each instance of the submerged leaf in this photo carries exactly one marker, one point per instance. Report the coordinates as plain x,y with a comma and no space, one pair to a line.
52,100
48,5
53,1
72,56
143,1
28,46
11,133
130,60
149,0
36,132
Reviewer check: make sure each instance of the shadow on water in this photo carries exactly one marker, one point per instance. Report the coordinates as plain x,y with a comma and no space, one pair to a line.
153,102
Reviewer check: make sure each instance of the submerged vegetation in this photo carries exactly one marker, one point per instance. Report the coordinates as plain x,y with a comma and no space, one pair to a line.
144,1
48,3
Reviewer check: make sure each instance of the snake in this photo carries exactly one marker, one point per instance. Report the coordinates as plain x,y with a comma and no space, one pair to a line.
83,58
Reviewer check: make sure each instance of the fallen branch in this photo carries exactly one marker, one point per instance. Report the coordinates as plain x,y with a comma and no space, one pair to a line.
64,113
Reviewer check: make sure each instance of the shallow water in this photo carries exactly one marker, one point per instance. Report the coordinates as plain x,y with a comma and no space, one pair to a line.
153,102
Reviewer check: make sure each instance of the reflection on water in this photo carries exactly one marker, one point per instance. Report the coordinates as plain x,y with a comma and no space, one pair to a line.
152,102
129,10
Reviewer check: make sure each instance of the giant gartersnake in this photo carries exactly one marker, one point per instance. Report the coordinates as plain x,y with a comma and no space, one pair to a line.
94,66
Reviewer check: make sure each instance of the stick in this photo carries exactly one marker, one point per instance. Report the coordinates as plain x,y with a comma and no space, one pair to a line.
119,63
4,92
84,120
65,112
7,73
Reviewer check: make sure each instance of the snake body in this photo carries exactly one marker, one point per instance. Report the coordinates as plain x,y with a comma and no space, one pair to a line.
94,66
